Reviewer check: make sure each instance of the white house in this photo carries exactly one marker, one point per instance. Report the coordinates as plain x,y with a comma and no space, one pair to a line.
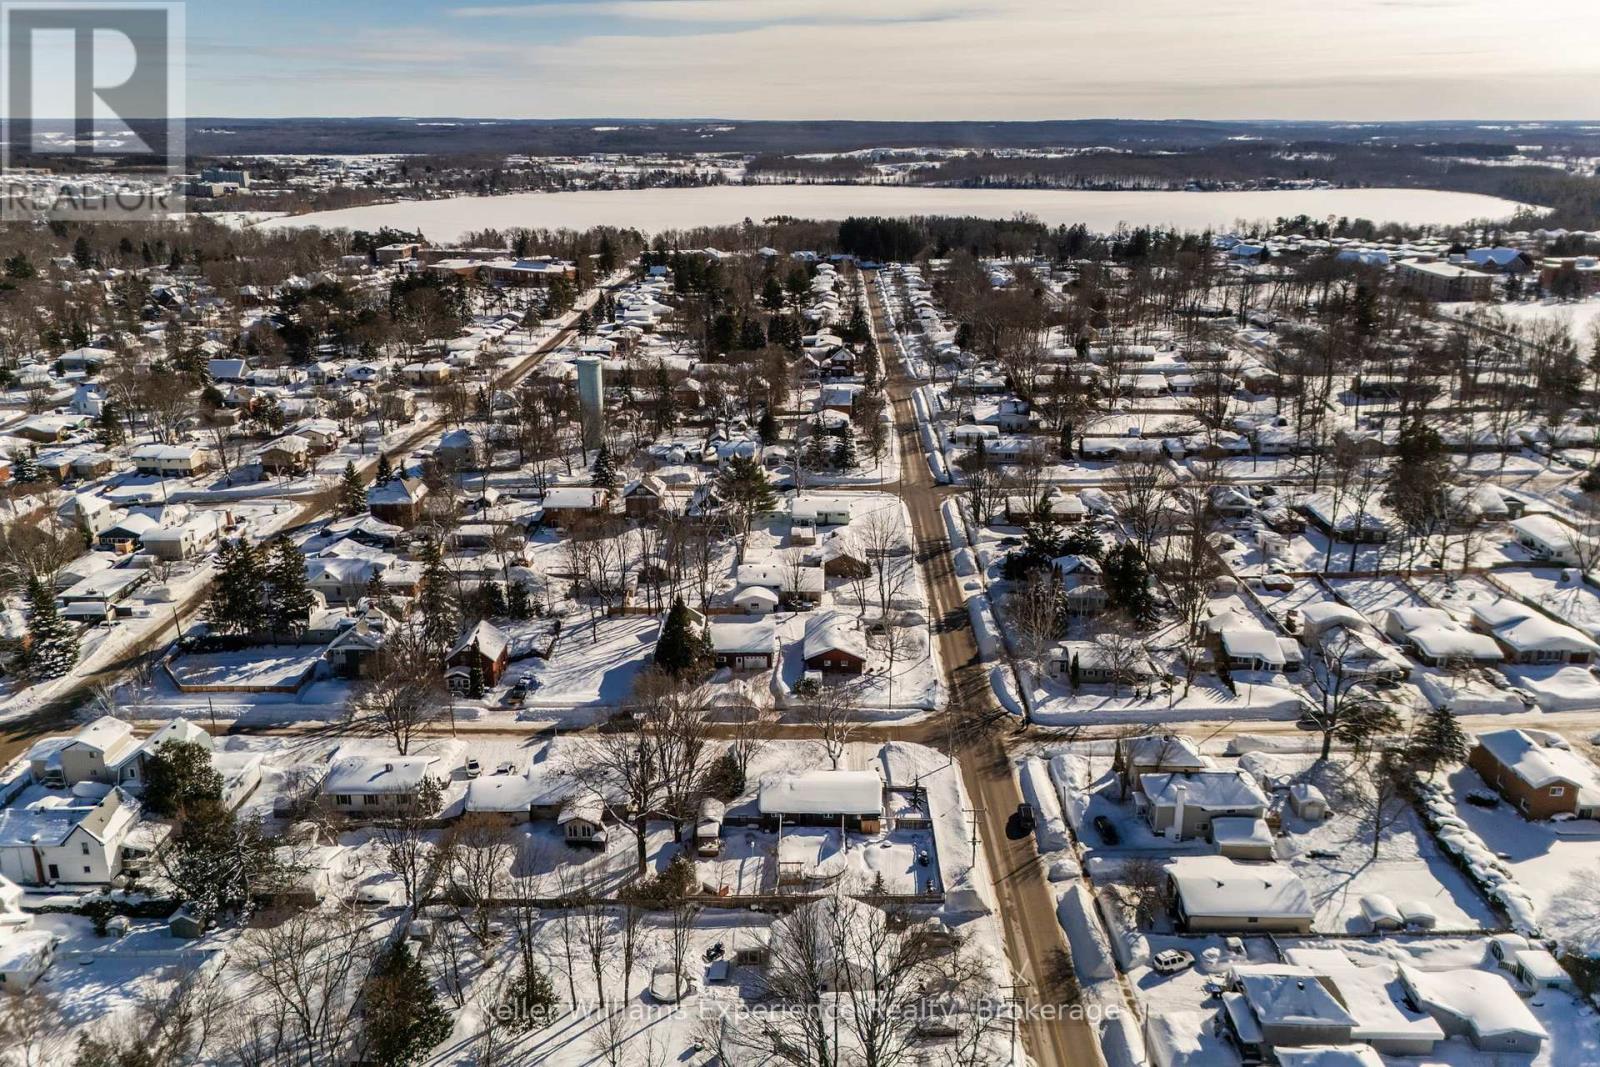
68,839
371,786
1548,538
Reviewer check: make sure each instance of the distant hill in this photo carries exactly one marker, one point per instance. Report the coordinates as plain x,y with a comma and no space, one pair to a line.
225,136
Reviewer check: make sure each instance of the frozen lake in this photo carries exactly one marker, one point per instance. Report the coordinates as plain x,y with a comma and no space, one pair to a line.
655,210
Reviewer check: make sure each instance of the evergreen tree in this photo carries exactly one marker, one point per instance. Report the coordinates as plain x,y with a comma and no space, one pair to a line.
216,860
179,775
108,427
605,470
679,647
289,611
743,484
494,600
403,1018
352,494
441,622
531,1000
25,467
1075,673
52,648
237,596
1437,739
772,295
858,332
818,455
385,473
767,428
475,686
1127,580
844,452
82,254
517,601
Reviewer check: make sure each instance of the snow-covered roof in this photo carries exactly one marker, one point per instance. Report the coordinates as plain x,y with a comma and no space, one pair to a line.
489,639
1482,1000
1328,1056
377,774
1240,830
1210,790
1525,630
1216,886
1289,996
561,497
1536,763
1545,529
746,635
833,631
823,793
502,793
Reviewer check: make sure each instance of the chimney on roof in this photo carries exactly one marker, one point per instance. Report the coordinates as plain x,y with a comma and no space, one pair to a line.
388,766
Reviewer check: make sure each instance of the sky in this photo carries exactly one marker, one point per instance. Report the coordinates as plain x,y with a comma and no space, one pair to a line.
1355,60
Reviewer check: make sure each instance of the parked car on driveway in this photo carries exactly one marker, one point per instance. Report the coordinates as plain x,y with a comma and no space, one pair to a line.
1107,830
1025,817
1171,961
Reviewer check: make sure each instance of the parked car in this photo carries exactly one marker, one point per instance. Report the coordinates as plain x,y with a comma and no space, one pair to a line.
1171,961
517,694
506,768
1107,830
1025,817
473,768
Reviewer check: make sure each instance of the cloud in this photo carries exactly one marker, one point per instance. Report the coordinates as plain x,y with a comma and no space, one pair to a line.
940,59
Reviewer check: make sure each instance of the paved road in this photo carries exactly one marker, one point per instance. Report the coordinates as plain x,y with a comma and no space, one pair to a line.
57,716
1035,946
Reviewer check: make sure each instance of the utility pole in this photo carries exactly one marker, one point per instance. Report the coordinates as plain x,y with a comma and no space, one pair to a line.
973,813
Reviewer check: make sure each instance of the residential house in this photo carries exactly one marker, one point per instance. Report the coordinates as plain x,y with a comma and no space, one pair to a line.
1215,894
1182,805
746,643
484,648
71,839
1435,638
1538,773
645,497
1271,1006
832,798
287,457
97,752
170,461
1481,1005
582,822
1526,636
195,536
792,582
566,505
374,786
834,644
1548,538
398,501
1252,648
